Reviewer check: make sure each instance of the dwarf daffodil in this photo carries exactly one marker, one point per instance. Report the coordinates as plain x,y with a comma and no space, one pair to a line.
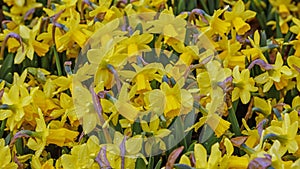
243,85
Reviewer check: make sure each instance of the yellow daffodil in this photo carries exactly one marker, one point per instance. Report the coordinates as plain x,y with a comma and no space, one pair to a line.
31,45
188,54
283,23
296,30
264,107
135,44
231,54
255,51
173,100
103,8
217,25
74,32
238,16
5,155
16,98
293,63
243,85
11,39
215,159
171,27
253,135
278,75
36,164
286,134
82,156
284,7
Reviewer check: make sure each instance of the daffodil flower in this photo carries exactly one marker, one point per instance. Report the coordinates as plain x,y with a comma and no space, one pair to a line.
214,160
255,51
217,25
283,23
135,44
82,156
243,85
5,155
284,7
253,136
17,97
278,75
238,16
293,63
171,27
30,44
296,30
74,32
230,52
285,134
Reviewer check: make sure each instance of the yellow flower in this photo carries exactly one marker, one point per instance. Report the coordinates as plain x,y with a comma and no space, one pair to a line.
12,39
61,136
244,84
74,33
254,52
284,7
135,44
41,133
230,53
278,75
296,30
238,16
171,27
293,63
36,163
17,97
217,25
82,156
286,134
253,135
283,23
5,156
215,159
188,54
238,162
31,45
173,100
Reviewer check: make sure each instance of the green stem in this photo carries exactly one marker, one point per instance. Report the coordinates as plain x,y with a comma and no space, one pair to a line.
57,61
2,127
232,118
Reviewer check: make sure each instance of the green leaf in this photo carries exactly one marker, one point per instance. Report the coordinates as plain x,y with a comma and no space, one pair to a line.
182,166
140,164
233,120
158,164
7,67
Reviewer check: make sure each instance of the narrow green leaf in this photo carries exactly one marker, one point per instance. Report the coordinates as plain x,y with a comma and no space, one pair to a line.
57,61
158,164
232,118
182,166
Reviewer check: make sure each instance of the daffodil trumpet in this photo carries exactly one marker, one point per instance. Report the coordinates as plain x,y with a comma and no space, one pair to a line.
11,35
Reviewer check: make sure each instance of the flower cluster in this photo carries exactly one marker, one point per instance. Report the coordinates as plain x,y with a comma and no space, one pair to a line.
149,84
